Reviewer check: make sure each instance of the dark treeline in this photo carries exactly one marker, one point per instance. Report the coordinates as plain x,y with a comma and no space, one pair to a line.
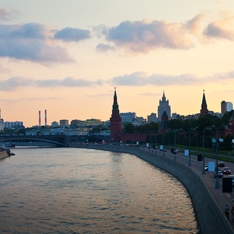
180,129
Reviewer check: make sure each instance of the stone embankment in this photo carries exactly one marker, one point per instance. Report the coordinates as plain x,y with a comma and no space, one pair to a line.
3,154
209,215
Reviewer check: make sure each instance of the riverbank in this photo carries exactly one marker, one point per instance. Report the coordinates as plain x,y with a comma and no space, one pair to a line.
209,215
3,154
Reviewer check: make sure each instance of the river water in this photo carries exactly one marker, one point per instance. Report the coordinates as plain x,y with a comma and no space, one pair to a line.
70,190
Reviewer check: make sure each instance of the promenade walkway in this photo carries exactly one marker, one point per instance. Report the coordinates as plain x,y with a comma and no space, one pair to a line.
221,198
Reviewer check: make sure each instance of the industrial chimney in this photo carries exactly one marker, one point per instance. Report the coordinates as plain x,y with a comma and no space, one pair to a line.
39,118
45,118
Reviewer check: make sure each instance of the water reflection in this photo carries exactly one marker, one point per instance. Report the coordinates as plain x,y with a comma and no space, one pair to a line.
88,191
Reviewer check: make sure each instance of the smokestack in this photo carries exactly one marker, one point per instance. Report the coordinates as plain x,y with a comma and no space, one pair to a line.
45,118
39,118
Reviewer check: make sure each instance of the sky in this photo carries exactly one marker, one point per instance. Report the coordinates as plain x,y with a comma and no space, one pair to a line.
66,57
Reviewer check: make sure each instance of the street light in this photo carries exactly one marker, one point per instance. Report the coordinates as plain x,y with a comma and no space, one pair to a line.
193,129
176,130
207,128
216,169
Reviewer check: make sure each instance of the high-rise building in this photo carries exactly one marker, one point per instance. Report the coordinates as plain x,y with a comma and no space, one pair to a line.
164,106
204,110
115,121
164,125
63,122
128,117
229,106
152,118
223,107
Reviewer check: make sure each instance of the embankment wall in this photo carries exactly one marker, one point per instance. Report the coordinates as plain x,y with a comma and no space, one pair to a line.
3,155
210,217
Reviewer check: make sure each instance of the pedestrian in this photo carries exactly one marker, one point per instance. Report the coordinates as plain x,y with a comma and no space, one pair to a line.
232,212
226,209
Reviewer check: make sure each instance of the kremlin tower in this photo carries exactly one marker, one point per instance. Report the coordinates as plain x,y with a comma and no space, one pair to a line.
115,121
204,110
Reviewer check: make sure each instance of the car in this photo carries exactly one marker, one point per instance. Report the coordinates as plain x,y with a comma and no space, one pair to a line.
221,164
206,167
220,174
226,170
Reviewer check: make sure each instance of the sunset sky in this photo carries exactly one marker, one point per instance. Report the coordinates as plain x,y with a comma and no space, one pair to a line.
66,57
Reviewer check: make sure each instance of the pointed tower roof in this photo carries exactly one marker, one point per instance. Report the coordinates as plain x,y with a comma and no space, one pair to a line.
164,114
204,99
115,104
163,97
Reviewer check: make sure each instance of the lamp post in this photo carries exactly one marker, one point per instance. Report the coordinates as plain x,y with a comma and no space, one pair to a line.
176,130
203,170
191,129
216,169
163,144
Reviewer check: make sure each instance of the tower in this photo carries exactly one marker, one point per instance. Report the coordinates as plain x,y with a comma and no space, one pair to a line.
45,117
223,107
115,121
164,106
164,125
204,110
39,118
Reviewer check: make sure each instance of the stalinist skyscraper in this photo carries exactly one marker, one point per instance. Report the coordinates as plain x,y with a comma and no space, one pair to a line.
164,105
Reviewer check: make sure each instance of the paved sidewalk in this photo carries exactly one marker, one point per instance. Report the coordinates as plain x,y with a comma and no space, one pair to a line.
222,199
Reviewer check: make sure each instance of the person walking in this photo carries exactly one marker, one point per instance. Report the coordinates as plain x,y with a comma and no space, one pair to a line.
226,209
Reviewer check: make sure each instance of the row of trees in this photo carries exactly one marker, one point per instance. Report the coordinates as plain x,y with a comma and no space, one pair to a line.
182,128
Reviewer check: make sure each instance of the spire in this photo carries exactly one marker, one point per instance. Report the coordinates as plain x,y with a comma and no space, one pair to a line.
204,99
163,97
115,104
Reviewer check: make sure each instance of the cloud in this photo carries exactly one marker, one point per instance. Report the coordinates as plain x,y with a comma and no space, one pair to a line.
221,29
72,34
4,70
3,13
16,82
104,47
143,36
29,42
194,25
142,79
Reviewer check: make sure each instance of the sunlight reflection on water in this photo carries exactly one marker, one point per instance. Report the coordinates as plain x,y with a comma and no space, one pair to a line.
70,190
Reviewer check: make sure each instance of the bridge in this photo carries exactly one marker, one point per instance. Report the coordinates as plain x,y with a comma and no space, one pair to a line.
57,140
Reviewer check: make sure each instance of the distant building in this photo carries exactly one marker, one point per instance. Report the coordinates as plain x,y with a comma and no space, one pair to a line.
54,124
152,118
229,106
223,107
140,119
64,122
15,124
1,122
93,120
75,121
164,106
204,110
128,117
174,115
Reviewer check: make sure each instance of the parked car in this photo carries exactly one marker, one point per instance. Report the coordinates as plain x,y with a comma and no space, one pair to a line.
221,164
220,174
226,170
206,167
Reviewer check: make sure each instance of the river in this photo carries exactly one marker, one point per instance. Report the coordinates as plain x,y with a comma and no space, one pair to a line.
70,190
